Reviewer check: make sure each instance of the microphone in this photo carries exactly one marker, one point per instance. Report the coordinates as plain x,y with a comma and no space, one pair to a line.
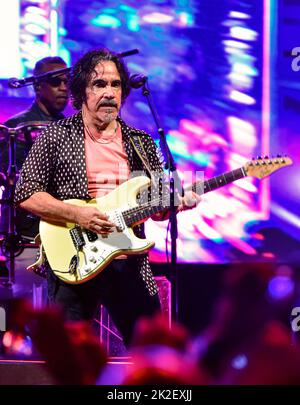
15,83
128,53
138,80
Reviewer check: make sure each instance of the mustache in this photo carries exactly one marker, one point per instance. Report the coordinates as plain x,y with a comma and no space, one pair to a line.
107,103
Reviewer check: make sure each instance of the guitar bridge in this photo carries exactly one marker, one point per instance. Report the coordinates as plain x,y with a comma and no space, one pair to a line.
77,237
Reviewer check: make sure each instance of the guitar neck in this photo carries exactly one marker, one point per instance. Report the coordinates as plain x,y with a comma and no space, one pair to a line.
202,187
144,211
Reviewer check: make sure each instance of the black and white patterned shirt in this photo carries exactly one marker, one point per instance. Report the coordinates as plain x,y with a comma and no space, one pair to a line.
56,165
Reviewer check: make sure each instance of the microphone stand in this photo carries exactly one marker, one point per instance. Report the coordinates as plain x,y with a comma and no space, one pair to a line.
11,245
174,183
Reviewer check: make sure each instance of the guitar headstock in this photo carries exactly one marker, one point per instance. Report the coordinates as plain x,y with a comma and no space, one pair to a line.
263,167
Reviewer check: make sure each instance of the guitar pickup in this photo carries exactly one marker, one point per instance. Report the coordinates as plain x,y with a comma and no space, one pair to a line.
92,236
77,237
117,218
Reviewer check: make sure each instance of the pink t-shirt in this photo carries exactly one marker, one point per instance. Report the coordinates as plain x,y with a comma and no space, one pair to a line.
106,164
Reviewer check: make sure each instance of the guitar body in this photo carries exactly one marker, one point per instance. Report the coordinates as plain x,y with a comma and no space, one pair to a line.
76,266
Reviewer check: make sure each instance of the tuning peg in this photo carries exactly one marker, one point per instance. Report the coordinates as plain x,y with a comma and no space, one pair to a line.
257,160
268,160
281,158
262,160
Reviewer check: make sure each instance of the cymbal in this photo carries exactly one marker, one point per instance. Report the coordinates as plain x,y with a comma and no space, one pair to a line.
31,125
29,131
25,132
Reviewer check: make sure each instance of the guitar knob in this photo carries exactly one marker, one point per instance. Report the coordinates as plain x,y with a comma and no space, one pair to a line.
94,248
86,269
92,259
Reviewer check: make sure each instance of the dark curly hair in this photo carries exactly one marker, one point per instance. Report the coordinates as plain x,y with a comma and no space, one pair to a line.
85,66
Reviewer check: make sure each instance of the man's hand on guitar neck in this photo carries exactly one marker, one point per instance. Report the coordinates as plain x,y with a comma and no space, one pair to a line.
189,201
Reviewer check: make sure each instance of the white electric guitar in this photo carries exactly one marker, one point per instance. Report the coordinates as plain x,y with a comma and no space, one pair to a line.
76,255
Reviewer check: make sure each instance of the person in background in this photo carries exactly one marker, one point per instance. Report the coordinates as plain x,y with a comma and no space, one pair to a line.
51,98
51,94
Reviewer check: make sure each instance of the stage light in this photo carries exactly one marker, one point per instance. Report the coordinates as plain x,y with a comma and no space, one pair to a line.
242,132
242,98
238,79
285,214
133,23
243,33
17,344
244,68
235,44
239,362
105,20
239,15
158,18
280,287
185,19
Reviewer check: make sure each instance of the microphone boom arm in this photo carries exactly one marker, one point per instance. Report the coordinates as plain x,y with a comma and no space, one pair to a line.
15,83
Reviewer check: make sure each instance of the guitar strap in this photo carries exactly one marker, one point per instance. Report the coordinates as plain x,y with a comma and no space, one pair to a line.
139,148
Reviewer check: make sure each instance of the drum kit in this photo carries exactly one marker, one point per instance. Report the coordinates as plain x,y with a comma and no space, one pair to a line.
12,142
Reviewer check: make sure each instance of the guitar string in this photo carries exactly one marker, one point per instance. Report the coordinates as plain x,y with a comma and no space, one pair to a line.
141,208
